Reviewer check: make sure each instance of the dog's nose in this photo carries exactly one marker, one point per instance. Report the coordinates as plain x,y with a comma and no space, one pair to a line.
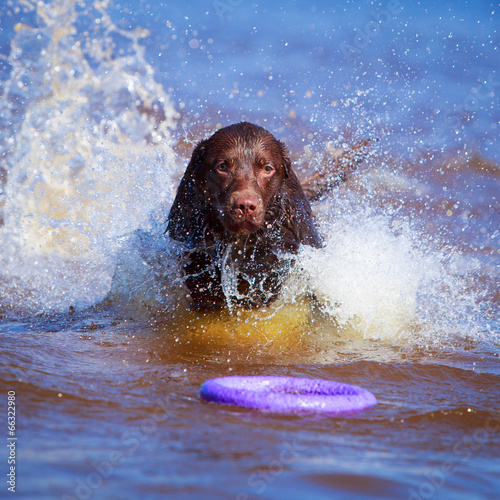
245,206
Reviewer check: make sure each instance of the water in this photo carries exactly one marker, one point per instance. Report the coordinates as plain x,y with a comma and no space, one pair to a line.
101,104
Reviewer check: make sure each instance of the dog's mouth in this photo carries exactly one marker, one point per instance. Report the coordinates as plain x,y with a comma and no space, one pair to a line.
243,214
239,223
242,226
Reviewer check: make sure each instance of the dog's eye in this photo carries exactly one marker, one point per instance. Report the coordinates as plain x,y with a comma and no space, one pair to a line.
268,169
222,167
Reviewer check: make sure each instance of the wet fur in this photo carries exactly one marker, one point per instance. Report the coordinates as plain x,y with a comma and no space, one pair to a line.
252,264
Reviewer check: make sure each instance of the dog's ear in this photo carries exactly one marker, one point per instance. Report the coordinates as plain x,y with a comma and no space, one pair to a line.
285,155
298,214
298,218
185,220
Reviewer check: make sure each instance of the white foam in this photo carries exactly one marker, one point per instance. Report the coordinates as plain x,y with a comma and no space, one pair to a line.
380,277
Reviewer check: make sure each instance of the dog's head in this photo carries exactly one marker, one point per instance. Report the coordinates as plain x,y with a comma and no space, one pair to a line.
240,169
239,181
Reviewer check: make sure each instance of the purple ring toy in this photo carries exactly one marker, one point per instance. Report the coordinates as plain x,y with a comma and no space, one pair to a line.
287,394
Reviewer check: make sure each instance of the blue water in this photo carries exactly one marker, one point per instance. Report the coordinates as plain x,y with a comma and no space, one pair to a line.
101,104
413,69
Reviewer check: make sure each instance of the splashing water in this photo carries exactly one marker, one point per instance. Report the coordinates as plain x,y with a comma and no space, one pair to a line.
86,143
379,278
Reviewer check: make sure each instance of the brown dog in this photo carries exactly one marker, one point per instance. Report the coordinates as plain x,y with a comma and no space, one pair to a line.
241,211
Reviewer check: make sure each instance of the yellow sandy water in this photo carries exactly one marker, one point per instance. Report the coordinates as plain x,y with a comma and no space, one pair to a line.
280,324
